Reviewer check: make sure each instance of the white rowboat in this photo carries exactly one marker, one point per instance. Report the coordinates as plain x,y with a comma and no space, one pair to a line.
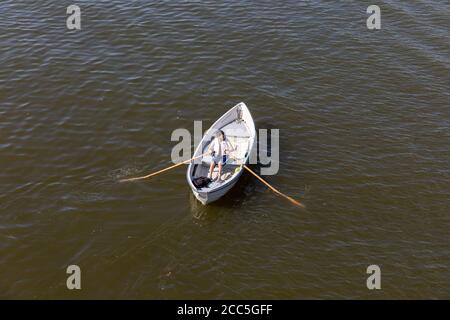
239,128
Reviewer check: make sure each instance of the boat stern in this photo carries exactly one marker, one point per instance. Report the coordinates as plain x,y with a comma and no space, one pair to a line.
201,196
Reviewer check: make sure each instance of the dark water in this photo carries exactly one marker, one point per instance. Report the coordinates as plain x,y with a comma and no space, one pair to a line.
364,123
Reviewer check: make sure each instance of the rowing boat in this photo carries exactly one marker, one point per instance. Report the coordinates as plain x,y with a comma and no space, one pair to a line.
239,128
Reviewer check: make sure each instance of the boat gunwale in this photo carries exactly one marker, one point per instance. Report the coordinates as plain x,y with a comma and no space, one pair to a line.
252,132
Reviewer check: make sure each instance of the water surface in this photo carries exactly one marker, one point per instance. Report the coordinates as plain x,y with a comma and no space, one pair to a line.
364,123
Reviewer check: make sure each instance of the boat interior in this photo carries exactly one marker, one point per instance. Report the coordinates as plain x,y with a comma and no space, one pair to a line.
239,136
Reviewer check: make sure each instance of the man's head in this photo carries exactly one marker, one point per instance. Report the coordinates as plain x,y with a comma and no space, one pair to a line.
220,135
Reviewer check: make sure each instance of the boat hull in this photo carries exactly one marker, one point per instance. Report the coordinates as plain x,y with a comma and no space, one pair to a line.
208,197
214,194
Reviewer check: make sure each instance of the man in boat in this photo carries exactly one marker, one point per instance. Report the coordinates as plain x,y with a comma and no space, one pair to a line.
219,149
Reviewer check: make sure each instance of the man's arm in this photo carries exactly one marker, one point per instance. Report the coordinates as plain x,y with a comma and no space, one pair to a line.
230,147
211,146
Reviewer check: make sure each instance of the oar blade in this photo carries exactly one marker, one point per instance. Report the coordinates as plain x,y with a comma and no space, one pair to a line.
295,202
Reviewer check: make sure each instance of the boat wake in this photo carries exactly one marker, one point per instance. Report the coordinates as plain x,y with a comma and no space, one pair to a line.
125,172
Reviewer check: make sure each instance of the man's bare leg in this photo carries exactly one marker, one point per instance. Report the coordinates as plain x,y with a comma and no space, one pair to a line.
220,171
211,168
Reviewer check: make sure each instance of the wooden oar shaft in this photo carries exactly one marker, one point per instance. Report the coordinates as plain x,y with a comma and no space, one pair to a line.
273,189
162,170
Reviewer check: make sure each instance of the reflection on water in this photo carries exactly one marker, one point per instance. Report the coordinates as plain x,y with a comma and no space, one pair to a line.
199,212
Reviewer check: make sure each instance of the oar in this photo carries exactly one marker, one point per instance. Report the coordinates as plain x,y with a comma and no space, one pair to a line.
273,189
163,170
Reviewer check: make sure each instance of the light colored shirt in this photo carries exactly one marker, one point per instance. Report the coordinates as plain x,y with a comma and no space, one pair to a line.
219,149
